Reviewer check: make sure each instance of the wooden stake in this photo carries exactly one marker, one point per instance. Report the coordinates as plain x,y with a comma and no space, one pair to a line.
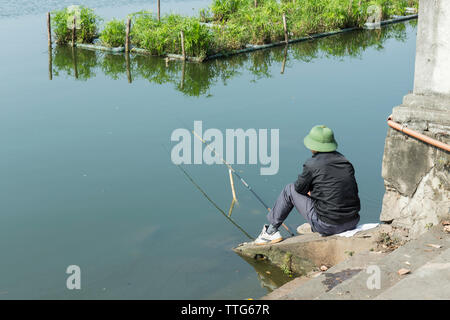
159,10
286,39
74,30
256,3
49,30
183,51
127,39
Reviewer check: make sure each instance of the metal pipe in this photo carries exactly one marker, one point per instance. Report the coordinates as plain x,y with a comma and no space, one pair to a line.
417,135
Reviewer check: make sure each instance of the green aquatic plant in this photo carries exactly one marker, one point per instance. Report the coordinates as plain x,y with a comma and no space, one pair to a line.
236,24
242,23
114,33
87,24
286,265
222,10
205,15
163,37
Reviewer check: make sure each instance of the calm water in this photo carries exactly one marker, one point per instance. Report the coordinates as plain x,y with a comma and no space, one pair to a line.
86,179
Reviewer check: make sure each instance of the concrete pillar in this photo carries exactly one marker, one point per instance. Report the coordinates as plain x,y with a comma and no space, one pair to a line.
432,70
416,175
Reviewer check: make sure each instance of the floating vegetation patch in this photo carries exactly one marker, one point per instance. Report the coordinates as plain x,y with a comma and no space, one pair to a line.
198,79
226,26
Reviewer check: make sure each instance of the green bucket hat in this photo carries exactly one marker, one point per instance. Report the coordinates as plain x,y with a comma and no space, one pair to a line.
321,139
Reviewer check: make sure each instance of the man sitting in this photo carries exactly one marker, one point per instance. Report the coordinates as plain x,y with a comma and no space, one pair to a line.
325,194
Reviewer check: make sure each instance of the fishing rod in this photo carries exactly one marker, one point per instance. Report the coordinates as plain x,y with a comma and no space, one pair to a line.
210,200
241,179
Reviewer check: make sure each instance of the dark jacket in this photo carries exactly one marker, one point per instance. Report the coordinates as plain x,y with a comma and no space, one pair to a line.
331,179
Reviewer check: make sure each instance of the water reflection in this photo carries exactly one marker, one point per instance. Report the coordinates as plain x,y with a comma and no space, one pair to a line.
269,276
50,62
194,79
77,63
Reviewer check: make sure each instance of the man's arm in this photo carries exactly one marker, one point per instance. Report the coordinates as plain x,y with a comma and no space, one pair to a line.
303,183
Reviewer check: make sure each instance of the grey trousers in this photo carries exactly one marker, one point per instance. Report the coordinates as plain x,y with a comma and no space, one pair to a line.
289,198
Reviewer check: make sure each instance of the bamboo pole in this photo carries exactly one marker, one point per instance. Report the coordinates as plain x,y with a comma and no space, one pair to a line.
233,202
127,39
159,10
233,192
74,30
183,51
49,30
286,39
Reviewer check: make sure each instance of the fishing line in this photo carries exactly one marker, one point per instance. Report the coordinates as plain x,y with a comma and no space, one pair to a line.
210,200
240,178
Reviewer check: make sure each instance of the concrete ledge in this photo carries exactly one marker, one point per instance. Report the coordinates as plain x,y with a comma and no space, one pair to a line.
426,258
425,109
302,254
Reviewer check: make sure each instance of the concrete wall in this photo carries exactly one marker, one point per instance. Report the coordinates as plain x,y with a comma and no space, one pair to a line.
416,175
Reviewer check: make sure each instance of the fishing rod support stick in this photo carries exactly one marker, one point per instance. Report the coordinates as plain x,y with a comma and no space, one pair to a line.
240,178
233,192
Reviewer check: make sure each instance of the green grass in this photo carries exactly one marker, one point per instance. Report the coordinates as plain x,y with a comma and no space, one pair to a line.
114,33
235,24
162,37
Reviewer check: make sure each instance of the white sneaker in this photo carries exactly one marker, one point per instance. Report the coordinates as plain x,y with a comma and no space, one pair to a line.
265,238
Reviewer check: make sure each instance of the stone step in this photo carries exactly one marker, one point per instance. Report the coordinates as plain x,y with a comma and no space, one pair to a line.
430,281
309,288
413,255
